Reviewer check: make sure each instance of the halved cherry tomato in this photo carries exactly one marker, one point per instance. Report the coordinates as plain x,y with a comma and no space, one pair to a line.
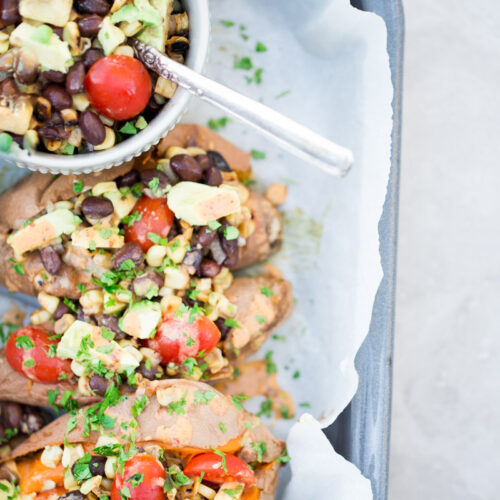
177,339
27,351
144,476
119,87
213,467
155,217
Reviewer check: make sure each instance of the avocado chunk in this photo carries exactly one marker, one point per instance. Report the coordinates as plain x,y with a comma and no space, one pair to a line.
53,55
141,319
199,204
156,34
110,36
97,237
84,342
122,203
43,230
55,12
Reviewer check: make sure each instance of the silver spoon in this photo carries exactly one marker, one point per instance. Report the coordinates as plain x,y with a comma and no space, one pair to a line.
328,156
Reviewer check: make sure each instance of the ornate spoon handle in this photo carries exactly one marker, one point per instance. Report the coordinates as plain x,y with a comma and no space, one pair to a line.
328,156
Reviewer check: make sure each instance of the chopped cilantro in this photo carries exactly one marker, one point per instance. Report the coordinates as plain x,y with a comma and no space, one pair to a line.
203,397
260,47
106,233
52,398
223,456
305,405
136,479
70,304
270,364
283,458
24,342
154,184
218,123
157,239
244,63
18,267
222,427
282,94
285,412
226,23
139,405
127,265
233,492
78,186
266,291
257,155
261,449
29,363
260,319
238,399
266,408
232,323
51,353
296,374
130,219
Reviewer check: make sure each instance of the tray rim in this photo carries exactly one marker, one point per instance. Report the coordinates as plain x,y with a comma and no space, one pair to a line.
362,432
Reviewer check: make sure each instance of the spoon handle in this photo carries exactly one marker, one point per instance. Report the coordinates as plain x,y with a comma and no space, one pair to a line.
302,141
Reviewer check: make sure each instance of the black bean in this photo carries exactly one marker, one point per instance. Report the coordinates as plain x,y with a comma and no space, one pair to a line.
218,161
96,465
61,310
26,67
148,175
99,384
205,236
193,259
128,180
9,12
72,495
111,323
54,76
8,88
151,110
95,207
179,47
31,421
58,97
130,250
2,432
148,373
212,176
230,248
99,7
186,167
92,128
91,56
147,283
174,231
223,328
89,25
75,81
50,259
204,161
11,414
55,119
58,133
209,268
18,139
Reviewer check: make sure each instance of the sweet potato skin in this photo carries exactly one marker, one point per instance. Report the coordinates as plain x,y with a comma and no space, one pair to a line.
197,428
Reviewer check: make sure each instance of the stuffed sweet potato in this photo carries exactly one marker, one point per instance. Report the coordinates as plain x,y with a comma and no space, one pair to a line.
173,439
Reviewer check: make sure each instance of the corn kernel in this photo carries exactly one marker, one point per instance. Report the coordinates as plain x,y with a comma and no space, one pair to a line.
104,187
92,301
177,279
51,456
90,484
175,150
109,140
155,255
40,316
170,304
110,467
77,368
48,302
63,323
71,454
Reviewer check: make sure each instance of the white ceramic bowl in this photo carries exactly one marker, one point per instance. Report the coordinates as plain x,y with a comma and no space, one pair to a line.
166,119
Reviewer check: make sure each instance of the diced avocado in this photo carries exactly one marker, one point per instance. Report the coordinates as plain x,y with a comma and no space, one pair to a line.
141,319
16,117
43,230
97,237
53,55
199,204
55,12
156,34
141,11
71,341
122,203
98,349
110,36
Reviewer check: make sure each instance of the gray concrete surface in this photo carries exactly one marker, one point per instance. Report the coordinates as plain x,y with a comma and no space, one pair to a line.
446,407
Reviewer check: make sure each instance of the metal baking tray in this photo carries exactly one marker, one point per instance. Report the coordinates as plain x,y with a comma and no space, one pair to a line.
362,432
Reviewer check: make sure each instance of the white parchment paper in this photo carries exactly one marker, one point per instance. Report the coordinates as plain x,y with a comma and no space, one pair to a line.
326,65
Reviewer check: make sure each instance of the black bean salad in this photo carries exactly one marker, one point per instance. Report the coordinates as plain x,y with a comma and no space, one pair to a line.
69,81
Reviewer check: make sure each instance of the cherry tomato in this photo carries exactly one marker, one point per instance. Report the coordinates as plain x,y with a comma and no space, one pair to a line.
119,87
144,476
213,467
155,217
28,352
177,339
